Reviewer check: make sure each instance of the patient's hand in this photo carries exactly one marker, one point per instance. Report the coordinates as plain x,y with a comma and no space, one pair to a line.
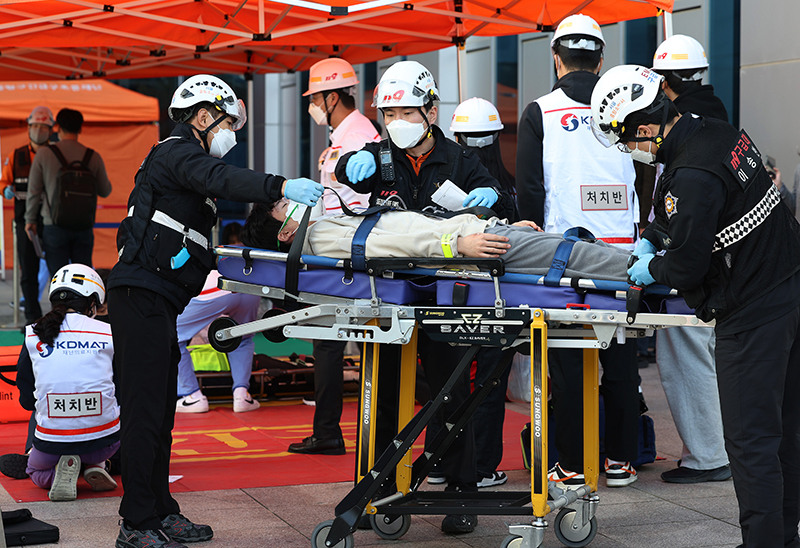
529,224
482,246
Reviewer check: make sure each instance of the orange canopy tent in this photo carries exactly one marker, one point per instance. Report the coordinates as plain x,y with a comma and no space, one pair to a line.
146,38
121,125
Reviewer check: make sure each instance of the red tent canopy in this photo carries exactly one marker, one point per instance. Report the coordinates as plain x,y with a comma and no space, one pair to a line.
146,38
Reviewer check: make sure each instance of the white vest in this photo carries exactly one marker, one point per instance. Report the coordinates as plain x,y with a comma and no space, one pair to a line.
351,134
74,386
585,183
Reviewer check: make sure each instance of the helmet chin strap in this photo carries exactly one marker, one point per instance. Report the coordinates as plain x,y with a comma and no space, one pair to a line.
204,133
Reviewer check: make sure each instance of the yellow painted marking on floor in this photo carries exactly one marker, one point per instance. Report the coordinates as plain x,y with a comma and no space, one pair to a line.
229,440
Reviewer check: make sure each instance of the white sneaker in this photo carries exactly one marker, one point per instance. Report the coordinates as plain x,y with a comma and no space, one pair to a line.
99,479
192,404
243,404
64,486
619,475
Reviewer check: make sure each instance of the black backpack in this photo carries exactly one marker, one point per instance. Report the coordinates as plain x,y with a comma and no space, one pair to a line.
74,200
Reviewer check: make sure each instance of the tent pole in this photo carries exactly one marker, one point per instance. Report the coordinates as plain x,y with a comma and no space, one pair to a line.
667,21
251,126
461,52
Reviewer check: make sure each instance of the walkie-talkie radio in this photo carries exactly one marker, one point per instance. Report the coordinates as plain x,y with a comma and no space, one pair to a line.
387,166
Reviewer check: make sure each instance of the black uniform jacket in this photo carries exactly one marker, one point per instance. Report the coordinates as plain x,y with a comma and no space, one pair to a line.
410,191
578,86
701,100
181,171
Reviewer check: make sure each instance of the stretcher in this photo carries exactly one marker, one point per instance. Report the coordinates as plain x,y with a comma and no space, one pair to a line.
387,304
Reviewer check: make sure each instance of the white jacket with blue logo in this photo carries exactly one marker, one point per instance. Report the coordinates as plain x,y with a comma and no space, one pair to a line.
74,387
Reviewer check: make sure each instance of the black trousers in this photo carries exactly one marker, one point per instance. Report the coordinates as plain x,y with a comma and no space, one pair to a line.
328,388
620,389
488,419
146,359
29,272
758,373
438,361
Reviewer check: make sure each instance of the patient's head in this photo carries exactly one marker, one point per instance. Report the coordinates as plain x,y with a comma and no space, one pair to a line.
267,227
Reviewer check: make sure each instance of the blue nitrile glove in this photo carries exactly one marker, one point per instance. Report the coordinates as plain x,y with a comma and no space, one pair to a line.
640,271
303,190
360,166
645,247
483,196
8,192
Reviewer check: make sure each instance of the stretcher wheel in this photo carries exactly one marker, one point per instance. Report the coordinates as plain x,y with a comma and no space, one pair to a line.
218,325
274,335
320,535
511,541
390,527
569,536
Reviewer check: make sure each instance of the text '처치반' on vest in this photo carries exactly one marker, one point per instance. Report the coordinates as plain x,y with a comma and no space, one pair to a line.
74,201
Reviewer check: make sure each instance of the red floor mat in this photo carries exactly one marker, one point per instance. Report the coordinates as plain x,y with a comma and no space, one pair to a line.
226,450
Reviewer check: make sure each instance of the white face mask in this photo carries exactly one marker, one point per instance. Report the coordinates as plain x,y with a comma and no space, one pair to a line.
644,156
319,115
405,134
296,210
39,135
222,142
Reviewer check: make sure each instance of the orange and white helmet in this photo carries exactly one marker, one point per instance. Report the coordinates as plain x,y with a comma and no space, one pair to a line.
206,88
475,115
79,279
330,74
681,52
578,32
41,115
405,84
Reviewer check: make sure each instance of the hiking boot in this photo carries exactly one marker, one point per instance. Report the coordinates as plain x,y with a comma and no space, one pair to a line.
99,479
620,475
459,524
497,478
133,538
564,479
192,404
181,529
14,465
65,480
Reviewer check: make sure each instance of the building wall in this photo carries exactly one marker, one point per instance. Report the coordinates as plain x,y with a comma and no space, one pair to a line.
770,80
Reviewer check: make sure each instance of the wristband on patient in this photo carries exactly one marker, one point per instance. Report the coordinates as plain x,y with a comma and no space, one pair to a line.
447,247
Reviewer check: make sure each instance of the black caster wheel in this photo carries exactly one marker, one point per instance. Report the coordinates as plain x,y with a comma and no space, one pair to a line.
390,527
572,534
274,335
511,541
320,535
225,346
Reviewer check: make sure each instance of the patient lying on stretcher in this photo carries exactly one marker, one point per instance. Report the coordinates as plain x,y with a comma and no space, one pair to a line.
523,247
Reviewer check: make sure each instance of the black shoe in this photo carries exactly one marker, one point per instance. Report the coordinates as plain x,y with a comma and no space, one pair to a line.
459,525
14,465
133,538
181,529
316,446
689,475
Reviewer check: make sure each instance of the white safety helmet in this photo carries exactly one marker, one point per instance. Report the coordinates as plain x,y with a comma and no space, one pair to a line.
475,115
405,84
41,115
330,74
620,91
79,279
206,88
681,52
578,32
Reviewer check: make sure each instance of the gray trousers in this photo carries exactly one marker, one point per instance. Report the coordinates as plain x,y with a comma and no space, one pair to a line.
532,253
687,367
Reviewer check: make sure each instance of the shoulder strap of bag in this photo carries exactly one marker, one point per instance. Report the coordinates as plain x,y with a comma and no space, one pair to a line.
87,158
59,155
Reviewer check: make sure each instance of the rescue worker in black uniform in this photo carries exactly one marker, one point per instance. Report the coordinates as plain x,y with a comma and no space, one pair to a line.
164,258
732,249
16,169
415,161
